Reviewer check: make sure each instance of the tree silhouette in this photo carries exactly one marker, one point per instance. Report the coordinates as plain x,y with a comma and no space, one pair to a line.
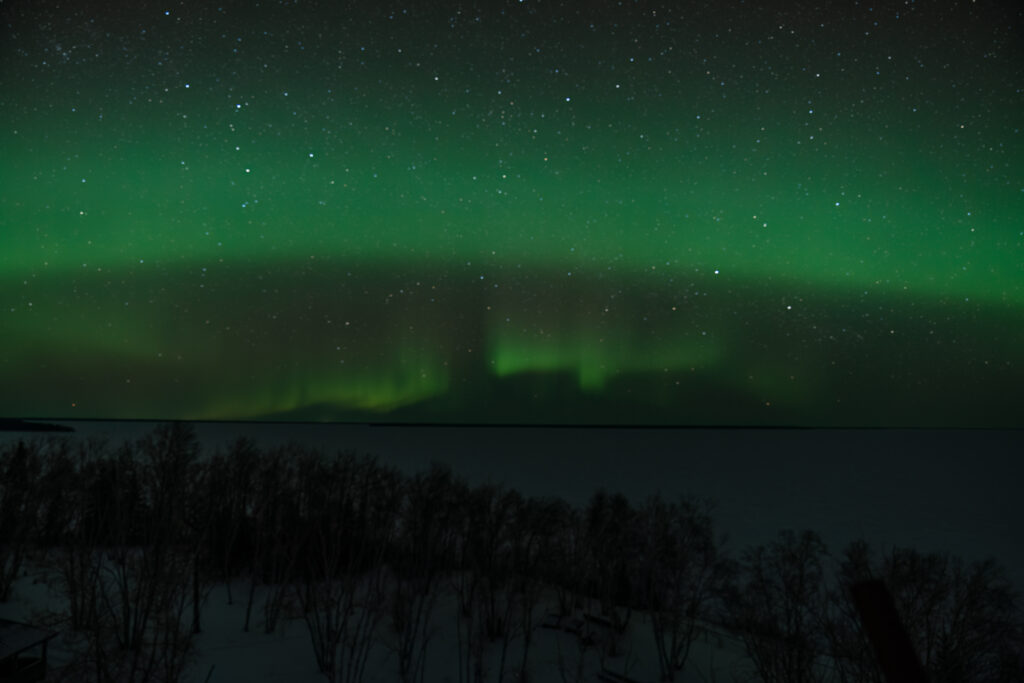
682,571
778,605
20,472
348,509
421,558
611,540
963,619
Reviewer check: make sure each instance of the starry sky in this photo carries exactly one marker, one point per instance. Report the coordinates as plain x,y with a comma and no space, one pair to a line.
723,213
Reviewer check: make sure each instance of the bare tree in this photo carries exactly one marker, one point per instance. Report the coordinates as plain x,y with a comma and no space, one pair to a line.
852,657
229,485
567,567
348,509
464,583
572,666
503,594
682,571
532,535
572,573
489,539
197,507
423,551
78,559
963,619
481,581
273,521
611,541
20,472
137,589
139,632
176,481
777,609
58,480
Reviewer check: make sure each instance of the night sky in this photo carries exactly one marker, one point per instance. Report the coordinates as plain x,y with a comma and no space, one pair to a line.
677,213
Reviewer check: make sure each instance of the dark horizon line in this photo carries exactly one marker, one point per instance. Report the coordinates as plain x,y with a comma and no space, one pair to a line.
9,424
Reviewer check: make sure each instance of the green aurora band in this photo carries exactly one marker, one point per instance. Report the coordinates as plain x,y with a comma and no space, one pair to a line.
448,218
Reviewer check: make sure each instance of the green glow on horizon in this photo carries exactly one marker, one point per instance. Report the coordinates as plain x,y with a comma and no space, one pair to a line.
376,390
594,358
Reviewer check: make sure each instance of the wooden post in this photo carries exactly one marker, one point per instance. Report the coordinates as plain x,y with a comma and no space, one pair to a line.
892,646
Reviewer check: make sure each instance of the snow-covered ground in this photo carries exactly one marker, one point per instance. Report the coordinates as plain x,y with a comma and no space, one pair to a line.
950,491
225,653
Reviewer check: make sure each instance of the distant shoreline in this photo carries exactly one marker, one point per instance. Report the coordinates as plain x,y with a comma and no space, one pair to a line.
10,425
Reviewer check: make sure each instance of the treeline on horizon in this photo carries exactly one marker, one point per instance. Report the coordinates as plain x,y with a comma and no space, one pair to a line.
133,538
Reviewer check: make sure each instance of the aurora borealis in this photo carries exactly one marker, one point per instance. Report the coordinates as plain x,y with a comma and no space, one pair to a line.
526,212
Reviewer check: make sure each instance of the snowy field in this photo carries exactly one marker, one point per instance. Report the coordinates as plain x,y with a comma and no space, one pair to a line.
224,653
951,492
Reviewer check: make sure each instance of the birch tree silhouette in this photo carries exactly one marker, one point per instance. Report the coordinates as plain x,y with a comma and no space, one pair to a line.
778,605
422,558
20,472
348,509
963,619
682,569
